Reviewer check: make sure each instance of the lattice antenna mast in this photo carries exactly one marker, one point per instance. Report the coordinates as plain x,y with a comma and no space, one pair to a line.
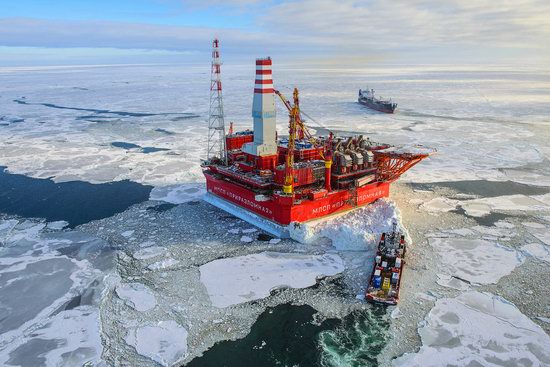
216,127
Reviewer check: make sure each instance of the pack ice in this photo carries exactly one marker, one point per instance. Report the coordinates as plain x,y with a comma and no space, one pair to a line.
478,329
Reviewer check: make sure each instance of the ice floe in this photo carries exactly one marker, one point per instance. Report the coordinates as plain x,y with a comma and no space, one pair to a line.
246,239
452,282
69,338
441,204
484,206
538,251
178,194
241,279
164,342
60,224
127,233
137,296
478,329
475,260
163,264
46,298
149,252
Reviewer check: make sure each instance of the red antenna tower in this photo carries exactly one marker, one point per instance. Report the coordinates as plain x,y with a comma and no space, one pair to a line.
216,127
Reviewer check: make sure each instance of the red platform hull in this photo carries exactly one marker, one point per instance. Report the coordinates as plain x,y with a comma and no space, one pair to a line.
282,210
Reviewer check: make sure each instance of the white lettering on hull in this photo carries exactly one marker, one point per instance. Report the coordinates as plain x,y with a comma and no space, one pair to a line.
371,195
239,199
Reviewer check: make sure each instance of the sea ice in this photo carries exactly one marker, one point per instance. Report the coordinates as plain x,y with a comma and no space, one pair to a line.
396,313
69,338
246,239
475,260
127,233
178,194
452,282
538,251
43,319
441,204
149,252
163,264
533,225
231,281
358,230
478,329
137,296
58,225
165,342
542,234
483,206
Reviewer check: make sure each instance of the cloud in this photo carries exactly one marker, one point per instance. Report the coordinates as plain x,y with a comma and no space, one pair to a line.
391,24
403,30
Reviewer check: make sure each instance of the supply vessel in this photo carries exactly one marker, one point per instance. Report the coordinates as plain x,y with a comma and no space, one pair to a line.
367,98
386,276
273,181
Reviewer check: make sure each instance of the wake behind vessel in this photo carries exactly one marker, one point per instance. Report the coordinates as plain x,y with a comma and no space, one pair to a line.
367,98
386,275
272,182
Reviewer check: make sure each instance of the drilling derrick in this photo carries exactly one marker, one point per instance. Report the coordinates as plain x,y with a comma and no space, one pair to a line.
216,127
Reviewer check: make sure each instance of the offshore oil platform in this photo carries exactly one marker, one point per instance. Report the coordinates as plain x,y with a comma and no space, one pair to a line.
272,182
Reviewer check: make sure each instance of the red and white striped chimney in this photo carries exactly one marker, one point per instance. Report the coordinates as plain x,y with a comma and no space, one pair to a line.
264,76
263,112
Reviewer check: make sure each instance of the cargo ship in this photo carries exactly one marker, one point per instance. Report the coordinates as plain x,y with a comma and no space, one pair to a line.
367,98
273,181
386,276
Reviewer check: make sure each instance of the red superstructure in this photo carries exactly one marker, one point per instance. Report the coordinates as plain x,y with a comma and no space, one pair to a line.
301,177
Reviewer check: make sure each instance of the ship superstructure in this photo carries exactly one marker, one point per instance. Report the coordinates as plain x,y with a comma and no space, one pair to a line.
273,182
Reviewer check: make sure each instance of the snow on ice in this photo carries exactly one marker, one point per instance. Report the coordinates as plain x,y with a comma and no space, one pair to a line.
178,194
484,206
475,260
137,296
149,252
241,279
163,264
356,230
164,342
37,282
69,338
538,251
478,329
439,205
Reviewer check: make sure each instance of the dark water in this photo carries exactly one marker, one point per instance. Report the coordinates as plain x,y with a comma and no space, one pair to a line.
76,202
286,336
146,150
485,188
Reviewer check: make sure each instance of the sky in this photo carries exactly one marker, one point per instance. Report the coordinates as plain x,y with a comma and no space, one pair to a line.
324,32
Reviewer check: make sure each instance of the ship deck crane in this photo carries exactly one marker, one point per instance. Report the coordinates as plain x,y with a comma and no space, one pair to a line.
297,129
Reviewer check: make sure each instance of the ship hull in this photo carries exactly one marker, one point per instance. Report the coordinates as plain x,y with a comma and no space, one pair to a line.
376,106
282,211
